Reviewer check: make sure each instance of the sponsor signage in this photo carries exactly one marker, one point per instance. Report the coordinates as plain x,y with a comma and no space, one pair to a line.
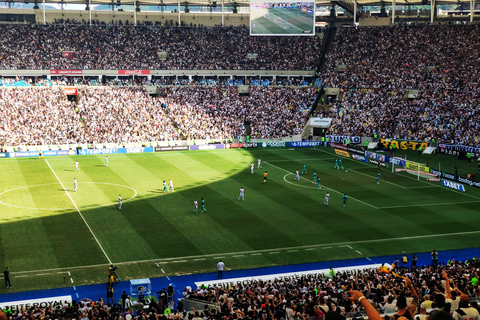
207,147
250,145
346,148
272,144
397,161
456,149
71,91
84,152
404,144
469,182
3,154
21,154
433,179
378,162
415,167
17,306
453,185
50,153
233,145
442,174
287,277
342,139
66,71
69,54
359,157
320,122
171,148
135,150
377,156
305,143
342,153
459,147
133,72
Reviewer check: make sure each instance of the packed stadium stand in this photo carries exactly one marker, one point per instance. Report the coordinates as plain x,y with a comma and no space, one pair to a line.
376,70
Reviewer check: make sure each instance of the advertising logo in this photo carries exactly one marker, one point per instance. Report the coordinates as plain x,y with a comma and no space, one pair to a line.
359,158
234,145
342,139
171,148
66,72
469,182
97,151
404,144
453,185
133,72
342,153
305,143
250,145
71,91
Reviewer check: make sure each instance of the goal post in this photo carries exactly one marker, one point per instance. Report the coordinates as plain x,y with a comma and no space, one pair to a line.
412,167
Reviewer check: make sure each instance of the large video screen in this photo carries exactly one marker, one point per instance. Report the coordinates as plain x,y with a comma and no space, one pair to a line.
282,18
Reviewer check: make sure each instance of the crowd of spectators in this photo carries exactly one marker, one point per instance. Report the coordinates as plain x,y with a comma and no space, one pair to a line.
44,115
37,116
127,47
385,62
220,112
445,287
374,112
441,291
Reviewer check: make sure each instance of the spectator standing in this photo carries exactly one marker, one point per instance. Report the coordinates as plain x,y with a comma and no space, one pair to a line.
434,258
220,267
6,275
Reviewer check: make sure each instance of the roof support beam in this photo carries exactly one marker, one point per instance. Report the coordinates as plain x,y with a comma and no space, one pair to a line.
44,17
472,6
393,11
432,10
354,11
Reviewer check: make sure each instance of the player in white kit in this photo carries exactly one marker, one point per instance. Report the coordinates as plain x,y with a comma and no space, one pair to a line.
297,176
76,166
75,184
242,194
251,167
171,185
259,163
120,202
325,203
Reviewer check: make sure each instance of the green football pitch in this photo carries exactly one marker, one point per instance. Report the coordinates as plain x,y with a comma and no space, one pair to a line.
280,21
48,231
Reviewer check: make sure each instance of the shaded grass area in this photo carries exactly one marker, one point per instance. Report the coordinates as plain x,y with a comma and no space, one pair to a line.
43,236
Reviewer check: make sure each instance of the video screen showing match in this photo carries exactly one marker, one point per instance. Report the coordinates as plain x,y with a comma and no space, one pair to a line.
282,18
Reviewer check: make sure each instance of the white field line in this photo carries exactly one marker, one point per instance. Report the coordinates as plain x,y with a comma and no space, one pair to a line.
81,215
258,252
430,204
301,160
412,178
368,204
149,154
383,181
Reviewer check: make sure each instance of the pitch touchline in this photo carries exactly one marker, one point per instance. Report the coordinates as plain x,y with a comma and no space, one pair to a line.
81,215
428,183
325,186
258,252
430,204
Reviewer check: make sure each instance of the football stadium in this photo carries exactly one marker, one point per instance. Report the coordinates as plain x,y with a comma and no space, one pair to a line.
239,160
